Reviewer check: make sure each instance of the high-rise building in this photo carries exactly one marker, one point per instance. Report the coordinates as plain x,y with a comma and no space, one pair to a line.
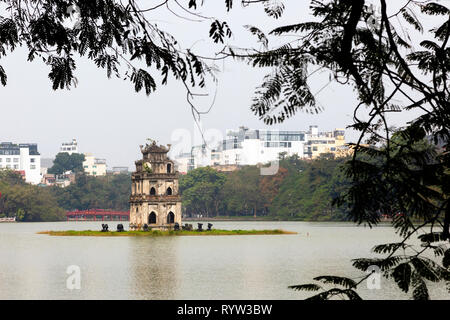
252,146
23,158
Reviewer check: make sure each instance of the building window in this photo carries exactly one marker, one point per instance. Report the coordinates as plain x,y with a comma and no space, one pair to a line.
170,217
169,168
8,159
152,191
16,166
32,167
314,148
152,218
16,160
33,160
8,166
1,159
169,191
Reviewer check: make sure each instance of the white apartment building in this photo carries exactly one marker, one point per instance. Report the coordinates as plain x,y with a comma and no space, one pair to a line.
23,158
94,166
69,147
252,146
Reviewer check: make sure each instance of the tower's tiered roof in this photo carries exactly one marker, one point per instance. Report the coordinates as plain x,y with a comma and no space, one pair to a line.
154,148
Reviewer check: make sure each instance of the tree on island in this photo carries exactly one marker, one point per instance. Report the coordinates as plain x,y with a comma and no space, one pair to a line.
67,162
386,58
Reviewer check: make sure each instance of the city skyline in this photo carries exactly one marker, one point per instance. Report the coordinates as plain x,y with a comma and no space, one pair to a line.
194,141
109,119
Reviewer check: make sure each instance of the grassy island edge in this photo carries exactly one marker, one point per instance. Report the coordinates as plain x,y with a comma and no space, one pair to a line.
158,233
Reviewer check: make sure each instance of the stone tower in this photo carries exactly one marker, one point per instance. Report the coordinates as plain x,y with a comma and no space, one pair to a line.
154,199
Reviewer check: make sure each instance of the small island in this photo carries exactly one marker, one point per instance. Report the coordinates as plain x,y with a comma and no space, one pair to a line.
155,204
158,233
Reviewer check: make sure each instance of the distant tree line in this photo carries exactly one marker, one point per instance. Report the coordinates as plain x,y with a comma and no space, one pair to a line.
301,189
27,202
33,203
88,192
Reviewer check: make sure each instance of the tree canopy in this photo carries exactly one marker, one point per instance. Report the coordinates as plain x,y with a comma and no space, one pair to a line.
300,190
88,192
67,162
27,202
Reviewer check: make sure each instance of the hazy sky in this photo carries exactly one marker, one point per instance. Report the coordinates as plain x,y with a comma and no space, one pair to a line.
110,120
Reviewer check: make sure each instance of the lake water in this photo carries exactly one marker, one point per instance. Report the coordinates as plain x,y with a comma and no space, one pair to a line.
33,266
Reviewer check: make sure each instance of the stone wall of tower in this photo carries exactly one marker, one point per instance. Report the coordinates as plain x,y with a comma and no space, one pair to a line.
141,214
155,198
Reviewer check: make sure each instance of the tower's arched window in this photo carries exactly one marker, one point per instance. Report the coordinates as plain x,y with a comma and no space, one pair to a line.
169,191
169,168
170,217
152,218
152,191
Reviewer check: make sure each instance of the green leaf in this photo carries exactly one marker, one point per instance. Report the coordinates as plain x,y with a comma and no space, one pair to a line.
388,247
425,269
340,281
402,276
306,287
384,264
218,31
431,237
446,259
261,36
434,8
274,8
3,76
142,79
412,19
229,4
62,72
295,27
352,295
420,288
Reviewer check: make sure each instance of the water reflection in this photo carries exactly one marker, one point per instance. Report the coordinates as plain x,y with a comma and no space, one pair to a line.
34,266
153,267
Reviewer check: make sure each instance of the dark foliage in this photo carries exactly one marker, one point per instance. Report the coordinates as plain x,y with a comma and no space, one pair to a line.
67,162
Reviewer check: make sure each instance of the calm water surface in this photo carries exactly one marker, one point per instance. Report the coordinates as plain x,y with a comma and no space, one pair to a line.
34,266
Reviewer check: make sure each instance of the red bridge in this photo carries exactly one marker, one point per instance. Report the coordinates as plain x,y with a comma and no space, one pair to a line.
97,215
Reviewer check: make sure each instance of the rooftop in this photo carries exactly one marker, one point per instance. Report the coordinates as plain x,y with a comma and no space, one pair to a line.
9,148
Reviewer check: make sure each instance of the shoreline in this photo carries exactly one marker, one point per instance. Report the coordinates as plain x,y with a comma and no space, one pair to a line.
158,233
